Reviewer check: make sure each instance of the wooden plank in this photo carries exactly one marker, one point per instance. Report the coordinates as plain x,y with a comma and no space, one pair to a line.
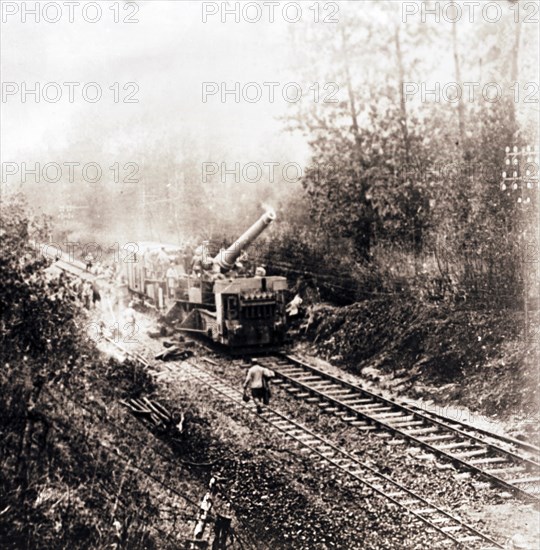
525,480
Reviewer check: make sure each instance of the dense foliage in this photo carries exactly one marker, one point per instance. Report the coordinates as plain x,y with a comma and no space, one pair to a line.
411,184
59,487
406,184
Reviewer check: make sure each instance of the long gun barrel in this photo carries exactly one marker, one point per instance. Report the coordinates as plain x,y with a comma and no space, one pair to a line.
227,258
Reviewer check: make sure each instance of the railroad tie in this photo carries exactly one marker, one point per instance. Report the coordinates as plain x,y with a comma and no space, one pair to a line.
375,406
396,441
471,538
310,442
451,528
309,379
409,502
506,471
441,437
373,479
281,423
326,453
306,437
291,372
362,426
456,445
398,415
295,432
475,452
384,435
425,511
306,450
339,391
422,431
405,424
352,400
491,460
395,494
442,519
525,480
320,385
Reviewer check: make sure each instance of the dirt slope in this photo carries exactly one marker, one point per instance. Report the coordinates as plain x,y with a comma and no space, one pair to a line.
476,359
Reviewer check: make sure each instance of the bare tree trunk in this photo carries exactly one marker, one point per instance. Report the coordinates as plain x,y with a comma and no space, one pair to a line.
460,106
365,229
514,73
403,106
354,113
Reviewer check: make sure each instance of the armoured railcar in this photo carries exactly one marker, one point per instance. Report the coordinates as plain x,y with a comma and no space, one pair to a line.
210,296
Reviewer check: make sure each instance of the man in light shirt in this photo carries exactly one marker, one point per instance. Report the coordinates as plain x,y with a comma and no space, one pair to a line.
257,380
172,279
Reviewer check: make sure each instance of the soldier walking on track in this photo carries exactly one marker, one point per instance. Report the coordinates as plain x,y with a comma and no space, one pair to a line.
257,379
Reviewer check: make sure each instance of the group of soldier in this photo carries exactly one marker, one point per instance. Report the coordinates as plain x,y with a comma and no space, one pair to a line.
79,291
197,263
88,289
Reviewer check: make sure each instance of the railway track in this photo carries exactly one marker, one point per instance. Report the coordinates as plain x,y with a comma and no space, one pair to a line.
448,528
529,448
455,441
74,269
369,411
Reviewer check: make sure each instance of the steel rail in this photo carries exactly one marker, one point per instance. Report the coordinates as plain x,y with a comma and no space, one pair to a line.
409,418
525,445
411,410
438,520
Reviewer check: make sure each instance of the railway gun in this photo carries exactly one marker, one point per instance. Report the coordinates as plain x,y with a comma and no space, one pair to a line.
211,296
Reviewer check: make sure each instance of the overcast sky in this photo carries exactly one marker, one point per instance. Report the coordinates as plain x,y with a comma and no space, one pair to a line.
169,53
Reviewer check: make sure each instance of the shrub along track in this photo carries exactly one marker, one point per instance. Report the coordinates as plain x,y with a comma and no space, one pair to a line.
369,411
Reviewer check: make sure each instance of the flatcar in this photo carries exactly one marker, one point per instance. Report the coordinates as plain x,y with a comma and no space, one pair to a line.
209,297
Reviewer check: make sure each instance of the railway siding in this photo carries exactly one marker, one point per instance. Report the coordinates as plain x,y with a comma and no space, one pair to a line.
346,395
449,529
506,468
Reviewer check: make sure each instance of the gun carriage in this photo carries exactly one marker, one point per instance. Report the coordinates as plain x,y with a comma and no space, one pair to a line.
209,297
